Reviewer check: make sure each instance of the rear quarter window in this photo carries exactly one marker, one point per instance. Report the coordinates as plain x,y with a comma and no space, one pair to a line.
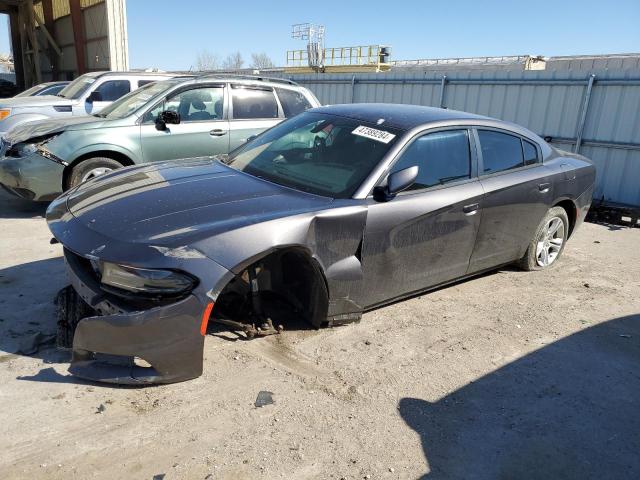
292,101
530,153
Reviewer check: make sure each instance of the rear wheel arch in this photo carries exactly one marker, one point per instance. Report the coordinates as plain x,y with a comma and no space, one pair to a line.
119,157
572,212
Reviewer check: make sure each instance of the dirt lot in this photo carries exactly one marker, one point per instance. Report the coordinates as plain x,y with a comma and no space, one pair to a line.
511,375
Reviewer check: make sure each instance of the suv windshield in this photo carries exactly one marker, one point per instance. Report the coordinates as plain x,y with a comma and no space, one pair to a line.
76,88
317,153
133,101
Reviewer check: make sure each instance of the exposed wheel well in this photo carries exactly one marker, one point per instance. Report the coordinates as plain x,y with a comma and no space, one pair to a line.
292,290
572,213
117,156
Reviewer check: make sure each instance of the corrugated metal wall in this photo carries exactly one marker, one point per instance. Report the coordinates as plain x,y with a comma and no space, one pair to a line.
549,103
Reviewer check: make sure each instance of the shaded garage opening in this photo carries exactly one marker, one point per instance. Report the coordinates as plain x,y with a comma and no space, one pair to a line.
61,39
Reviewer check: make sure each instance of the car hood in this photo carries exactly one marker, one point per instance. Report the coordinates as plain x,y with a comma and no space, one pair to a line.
179,202
35,102
42,128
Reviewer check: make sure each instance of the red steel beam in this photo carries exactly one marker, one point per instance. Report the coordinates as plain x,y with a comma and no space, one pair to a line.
78,35
47,9
16,47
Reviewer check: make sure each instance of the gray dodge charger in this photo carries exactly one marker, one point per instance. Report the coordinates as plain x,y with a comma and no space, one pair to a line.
331,213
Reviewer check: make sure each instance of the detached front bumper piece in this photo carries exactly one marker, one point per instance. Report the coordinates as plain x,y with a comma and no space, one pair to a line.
32,178
112,344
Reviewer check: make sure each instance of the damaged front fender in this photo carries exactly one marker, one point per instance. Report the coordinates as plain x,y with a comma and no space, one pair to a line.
332,238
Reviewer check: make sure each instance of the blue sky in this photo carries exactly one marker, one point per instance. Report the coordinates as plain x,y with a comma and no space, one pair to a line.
169,34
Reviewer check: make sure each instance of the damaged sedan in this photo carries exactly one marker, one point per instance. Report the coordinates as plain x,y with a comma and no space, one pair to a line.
336,211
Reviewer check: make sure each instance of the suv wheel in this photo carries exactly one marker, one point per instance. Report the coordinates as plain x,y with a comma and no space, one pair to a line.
91,168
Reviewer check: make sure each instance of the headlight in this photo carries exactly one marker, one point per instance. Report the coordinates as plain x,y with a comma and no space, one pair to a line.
4,113
143,280
24,149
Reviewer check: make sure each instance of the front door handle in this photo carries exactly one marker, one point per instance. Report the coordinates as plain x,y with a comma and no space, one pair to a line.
470,209
544,187
217,132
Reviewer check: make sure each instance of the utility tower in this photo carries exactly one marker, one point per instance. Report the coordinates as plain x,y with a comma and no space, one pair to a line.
314,35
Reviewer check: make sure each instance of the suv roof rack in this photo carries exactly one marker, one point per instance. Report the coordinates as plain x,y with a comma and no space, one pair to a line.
260,78
133,73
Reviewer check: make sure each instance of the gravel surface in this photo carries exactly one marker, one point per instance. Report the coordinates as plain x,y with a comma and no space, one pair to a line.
509,375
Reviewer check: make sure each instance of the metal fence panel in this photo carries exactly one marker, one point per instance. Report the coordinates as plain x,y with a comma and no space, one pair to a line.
550,103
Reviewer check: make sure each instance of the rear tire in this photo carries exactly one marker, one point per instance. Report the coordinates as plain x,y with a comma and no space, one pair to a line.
91,168
548,242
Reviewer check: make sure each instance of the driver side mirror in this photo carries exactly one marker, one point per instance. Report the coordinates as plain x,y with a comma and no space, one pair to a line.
167,117
95,96
396,183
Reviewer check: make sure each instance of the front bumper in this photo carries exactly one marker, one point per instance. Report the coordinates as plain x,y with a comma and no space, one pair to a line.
33,177
168,337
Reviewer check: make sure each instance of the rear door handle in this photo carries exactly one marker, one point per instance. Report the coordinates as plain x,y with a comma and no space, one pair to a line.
544,187
217,132
470,209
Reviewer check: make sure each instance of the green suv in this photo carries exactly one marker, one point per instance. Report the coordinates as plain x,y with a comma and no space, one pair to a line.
173,119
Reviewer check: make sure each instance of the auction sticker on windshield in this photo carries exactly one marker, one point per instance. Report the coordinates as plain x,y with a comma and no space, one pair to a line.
374,134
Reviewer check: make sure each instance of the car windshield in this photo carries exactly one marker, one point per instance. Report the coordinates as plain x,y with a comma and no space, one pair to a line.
133,101
78,87
317,153
30,91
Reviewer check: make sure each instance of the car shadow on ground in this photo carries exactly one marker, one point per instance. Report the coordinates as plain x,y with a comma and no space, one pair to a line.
27,293
13,207
27,315
28,320
568,410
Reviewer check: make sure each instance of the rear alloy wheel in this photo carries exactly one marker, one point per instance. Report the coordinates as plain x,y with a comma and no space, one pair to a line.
92,168
548,242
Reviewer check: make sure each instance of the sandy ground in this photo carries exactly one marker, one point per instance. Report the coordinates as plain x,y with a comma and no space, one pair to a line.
510,375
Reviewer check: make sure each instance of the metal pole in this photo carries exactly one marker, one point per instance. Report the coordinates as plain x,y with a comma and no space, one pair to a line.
583,116
443,82
353,87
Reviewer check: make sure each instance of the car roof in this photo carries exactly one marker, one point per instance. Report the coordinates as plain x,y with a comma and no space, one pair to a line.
400,116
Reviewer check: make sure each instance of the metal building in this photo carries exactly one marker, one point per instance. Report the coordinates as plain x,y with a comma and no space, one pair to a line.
61,39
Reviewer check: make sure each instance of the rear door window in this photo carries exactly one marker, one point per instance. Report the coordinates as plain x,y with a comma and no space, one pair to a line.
292,101
500,151
442,157
253,103
112,90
